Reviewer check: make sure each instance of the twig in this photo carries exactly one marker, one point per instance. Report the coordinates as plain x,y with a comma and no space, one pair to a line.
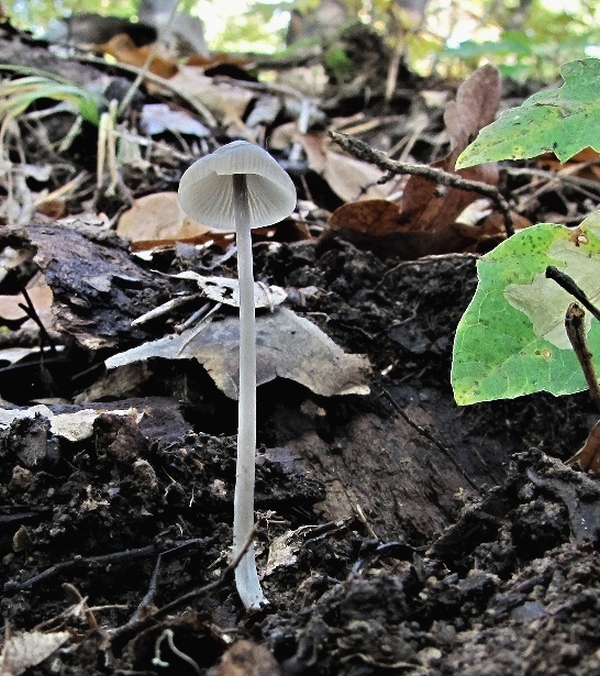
585,185
576,333
575,328
29,308
153,586
363,151
118,557
570,286
123,634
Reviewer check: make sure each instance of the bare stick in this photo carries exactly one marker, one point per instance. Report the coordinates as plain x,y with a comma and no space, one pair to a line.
125,633
576,332
571,286
363,151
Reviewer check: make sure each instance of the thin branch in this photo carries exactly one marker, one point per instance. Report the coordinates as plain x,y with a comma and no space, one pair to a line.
570,286
574,325
363,151
123,634
77,562
587,186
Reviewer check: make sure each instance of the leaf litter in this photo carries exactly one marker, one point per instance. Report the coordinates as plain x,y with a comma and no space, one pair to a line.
414,563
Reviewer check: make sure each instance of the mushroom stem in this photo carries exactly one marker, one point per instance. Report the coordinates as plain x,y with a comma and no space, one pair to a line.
246,576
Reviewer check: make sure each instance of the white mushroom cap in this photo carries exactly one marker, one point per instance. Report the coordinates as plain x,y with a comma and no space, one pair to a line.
206,188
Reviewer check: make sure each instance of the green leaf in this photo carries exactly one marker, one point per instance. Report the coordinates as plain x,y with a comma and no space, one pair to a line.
511,340
563,121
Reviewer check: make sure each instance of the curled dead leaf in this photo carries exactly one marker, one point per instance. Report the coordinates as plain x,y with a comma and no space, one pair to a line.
475,106
588,456
429,208
124,49
426,206
288,346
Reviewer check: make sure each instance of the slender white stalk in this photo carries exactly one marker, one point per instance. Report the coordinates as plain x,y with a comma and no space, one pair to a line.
246,576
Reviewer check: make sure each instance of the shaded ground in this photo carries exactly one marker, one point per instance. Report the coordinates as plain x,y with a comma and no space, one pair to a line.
430,579
397,533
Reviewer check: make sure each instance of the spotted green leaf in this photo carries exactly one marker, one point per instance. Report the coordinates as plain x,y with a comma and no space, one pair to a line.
563,121
511,339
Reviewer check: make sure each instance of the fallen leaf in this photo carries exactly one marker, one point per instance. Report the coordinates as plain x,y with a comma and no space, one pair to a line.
284,549
23,651
124,49
426,222
475,106
369,217
429,208
226,291
41,298
159,217
348,177
228,102
73,426
157,118
288,346
585,164
425,205
51,208
588,456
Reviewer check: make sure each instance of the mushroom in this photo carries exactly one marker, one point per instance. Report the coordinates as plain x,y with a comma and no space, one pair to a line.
239,187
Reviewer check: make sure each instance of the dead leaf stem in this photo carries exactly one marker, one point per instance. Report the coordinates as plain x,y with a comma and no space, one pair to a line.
363,151
574,325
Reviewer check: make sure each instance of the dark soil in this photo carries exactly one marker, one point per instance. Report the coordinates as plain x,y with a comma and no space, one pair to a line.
397,532
413,539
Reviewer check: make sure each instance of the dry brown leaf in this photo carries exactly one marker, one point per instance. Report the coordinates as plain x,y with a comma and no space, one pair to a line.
159,217
124,49
349,178
23,651
584,164
288,346
426,223
378,226
427,207
588,456
475,106
52,208
228,102
372,218
490,231
41,298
